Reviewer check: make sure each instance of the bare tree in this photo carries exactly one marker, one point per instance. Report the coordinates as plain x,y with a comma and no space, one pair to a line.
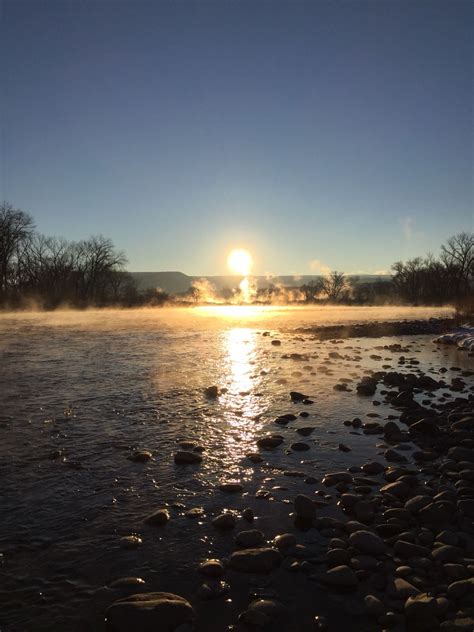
334,284
312,290
15,227
458,256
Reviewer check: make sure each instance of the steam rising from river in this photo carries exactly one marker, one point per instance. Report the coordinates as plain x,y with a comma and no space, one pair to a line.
211,316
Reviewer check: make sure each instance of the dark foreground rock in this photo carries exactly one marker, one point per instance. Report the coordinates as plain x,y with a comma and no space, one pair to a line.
149,612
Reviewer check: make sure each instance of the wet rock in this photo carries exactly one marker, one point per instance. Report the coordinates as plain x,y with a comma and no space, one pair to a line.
460,453
269,441
262,612
284,541
421,607
406,550
225,521
247,514
158,518
415,504
297,397
255,457
304,507
459,589
464,624
466,506
185,457
401,589
340,576
249,539
149,612
130,542
437,514
344,448
300,446
395,457
212,568
367,542
140,456
446,553
305,431
261,560
372,468
211,391
374,607
194,512
337,477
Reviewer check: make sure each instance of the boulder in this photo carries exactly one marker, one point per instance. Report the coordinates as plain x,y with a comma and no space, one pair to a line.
149,612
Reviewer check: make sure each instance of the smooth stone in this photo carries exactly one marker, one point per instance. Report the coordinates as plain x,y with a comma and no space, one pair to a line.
421,606
158,518
373,606
225,521
127,582
407,549
284,541
367,542
212,568
213,589
250,538
261,560
457,590
130,542
231,487
342,576
415,504
304,507
402,589
149,612
446,553
140,456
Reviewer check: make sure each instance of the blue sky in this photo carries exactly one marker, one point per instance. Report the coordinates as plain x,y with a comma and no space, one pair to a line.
317,134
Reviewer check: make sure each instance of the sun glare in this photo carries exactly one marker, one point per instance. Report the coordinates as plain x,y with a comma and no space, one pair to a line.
240,261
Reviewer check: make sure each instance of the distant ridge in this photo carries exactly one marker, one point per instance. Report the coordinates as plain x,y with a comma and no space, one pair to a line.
175,282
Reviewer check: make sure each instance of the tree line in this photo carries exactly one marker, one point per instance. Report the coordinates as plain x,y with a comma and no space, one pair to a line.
53,271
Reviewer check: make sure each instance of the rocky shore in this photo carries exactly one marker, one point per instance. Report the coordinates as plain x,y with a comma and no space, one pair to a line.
395,536
435,326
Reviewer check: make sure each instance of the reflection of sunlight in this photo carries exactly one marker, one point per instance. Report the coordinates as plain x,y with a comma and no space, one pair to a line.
240,347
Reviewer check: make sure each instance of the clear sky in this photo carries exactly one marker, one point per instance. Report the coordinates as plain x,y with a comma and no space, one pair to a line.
318,134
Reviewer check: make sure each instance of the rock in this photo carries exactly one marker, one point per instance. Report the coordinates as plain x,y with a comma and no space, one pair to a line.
262,613
250,538
367,542
140,456
184,457
149,612
458,590
465,624
300,446
130,542
194,512
337,477
336,557
224,522
211,391
304,507
395,457
421,606
437,514
269,441
305,431
408,549
446,553
297,397
374,606
399,489
401,589
212,568
247,514
284,541
392,431
416,503
372,468
342,576
261,560
158,517
460,453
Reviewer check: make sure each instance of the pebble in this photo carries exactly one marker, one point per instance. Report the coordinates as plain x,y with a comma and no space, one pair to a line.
149,611
158,518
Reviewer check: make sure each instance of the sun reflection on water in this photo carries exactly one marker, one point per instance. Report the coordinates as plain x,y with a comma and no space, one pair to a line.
243,401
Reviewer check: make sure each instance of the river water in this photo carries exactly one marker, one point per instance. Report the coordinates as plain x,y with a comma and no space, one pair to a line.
81,390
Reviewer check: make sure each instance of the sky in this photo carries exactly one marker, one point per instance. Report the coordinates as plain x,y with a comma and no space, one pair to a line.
319,135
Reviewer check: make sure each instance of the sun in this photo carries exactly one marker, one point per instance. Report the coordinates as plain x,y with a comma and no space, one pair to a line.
240,261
